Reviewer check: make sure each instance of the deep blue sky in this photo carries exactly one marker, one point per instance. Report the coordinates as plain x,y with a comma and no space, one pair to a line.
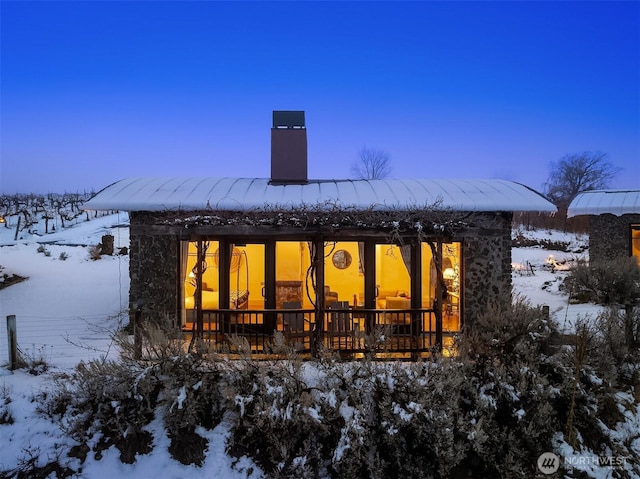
93,92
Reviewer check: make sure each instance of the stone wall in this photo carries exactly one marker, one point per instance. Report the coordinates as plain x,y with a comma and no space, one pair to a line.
487,268
153,269
609,236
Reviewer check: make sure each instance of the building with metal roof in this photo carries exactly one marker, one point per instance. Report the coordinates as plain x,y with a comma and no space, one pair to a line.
614,222
325,263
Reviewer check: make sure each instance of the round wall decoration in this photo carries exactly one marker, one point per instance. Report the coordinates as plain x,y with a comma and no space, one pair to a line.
341,259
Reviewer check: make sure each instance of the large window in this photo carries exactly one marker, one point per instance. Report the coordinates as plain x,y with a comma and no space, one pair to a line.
344,273
292,283
246,276
393,277
450,290
254,285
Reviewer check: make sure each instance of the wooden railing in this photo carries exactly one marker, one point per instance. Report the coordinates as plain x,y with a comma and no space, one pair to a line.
349,331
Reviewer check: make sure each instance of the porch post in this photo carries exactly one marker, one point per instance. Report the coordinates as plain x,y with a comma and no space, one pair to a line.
270,317
224,272
318,333
198,293
370,284
416,287
439,297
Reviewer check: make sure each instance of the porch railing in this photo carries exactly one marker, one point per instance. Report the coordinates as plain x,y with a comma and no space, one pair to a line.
349,331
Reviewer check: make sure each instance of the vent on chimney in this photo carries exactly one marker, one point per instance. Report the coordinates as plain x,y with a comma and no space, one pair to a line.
288,147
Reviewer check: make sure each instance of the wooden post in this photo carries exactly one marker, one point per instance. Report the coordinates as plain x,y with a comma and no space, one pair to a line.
12,337
441,291
15,237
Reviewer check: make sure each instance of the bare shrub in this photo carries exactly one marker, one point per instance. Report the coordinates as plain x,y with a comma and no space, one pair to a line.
608,282
116,400
507,331
95,252
32,464
6,416
615,283
35,360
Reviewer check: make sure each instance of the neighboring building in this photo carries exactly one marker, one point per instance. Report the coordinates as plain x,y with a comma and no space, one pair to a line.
326,262
614,222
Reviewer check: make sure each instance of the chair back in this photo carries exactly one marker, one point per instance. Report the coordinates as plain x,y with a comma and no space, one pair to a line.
340,320
295,320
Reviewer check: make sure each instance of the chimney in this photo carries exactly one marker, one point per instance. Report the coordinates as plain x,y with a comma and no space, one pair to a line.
288,147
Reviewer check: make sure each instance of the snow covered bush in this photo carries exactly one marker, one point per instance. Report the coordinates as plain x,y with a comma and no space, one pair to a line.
517,389
280,421
191,398
104,404
506,400
401,420
531,390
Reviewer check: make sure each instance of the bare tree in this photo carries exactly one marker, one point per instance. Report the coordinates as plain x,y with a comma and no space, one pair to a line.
372,164
575,173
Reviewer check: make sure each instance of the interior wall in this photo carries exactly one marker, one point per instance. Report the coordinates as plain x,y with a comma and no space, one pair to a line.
391,272
255,262
429,277
346,282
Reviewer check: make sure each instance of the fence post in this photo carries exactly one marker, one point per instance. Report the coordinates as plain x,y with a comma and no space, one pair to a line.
15,237
12,337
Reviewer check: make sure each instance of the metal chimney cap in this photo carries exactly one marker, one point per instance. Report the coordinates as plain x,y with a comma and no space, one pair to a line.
288,119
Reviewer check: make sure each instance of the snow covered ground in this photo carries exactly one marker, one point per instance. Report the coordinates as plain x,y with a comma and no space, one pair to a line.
539,272
65,312
70,304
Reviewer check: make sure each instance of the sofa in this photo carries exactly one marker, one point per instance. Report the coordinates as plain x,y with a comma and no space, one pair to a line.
392,299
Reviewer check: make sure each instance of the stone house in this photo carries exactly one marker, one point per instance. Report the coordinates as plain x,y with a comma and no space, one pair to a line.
350,265
614,222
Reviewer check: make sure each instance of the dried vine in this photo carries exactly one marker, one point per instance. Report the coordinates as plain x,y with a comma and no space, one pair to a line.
427,221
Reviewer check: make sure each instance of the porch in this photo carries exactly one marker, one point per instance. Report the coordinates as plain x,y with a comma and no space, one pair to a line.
346,330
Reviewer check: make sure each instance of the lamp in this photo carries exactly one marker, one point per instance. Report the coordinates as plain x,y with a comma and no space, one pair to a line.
449,273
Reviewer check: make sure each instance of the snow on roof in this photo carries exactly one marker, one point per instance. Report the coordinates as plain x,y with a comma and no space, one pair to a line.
243,194
597,202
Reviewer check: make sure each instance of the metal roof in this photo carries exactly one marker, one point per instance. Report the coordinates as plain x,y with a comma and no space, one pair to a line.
597,202
243,194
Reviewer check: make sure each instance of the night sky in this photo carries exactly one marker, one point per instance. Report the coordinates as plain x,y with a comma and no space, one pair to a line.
93,92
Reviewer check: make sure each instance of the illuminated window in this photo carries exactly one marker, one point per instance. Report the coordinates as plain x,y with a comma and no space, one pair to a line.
635,241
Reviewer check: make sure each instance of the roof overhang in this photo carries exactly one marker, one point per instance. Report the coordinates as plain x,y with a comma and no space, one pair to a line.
247,194
598,202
